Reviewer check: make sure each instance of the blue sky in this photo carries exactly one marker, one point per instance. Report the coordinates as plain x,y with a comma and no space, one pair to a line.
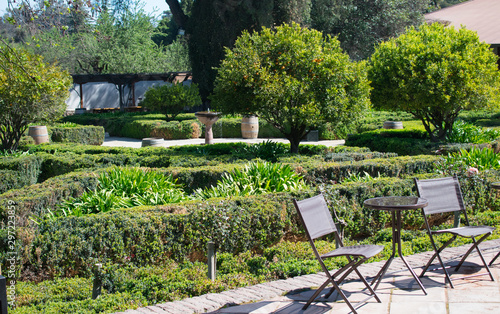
149,6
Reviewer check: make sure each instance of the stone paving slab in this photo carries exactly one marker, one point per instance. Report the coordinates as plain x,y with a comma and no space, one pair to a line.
398,291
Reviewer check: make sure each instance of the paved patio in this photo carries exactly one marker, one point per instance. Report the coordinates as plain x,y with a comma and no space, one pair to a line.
398,291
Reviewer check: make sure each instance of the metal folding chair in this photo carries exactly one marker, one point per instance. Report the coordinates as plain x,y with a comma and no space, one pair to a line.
444,196
318,222
494,259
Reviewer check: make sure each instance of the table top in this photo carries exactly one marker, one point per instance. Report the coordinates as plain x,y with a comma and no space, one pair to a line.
394,203
495,185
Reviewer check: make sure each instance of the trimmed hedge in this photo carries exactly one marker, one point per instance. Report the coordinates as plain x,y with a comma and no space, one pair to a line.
314,171
86,135
37,198
150,235
16,172
161,128
412,142
390,167
70,246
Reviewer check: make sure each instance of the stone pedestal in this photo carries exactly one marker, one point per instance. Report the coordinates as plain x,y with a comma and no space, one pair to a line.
208,119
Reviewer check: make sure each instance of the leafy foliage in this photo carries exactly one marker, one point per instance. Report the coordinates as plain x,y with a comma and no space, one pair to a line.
463,132
360,24
293,78
211,26
267,150
434,73
124,188
480,158
255,178
30,91
120,43
171,99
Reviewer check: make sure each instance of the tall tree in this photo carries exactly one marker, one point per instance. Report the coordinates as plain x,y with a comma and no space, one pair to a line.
434,73
360,24
214,25
30,91
293,78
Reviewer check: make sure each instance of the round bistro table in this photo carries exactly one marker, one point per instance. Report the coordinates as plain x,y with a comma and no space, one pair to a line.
395,205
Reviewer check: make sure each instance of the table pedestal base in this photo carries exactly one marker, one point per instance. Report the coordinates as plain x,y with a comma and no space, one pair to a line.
396,240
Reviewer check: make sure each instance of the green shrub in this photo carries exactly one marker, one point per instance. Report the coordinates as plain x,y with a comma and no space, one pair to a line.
162,129
480,158
86,135
64,162
149,235
107,303
268,150
255,178
144,237
36,199
171,99
400,142
463,132
141,125
322,172
124,188
225,127
16,172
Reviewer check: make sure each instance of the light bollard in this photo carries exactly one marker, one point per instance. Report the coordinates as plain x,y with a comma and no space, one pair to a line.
212,260
96,289
3,295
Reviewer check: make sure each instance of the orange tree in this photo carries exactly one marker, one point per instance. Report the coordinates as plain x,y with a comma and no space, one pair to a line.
171,99
294,78
30,91
434,73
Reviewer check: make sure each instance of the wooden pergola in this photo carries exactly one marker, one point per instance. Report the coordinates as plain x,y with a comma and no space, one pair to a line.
122,80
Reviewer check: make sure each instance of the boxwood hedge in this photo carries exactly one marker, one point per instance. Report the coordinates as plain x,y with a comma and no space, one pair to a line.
148,235
86,135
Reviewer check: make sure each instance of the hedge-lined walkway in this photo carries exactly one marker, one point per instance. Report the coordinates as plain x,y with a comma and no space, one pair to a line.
398,291
114,141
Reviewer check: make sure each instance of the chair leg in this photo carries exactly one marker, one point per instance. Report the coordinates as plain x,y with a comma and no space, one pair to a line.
316,293
473,246
367,285
347,269
436,253
445,271
494,259
476,246
336,287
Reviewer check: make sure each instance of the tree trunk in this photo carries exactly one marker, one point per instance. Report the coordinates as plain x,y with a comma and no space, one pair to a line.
295,137
294,145
179,16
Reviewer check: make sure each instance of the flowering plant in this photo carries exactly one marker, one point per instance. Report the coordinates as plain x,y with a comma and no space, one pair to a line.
472,171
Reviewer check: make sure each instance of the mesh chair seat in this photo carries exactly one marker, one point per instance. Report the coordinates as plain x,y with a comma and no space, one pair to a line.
364,251
467,231
317,221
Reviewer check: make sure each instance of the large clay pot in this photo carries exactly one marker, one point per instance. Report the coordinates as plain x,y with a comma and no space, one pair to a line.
250,127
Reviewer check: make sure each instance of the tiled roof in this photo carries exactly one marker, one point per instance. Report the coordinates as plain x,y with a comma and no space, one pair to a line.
481,16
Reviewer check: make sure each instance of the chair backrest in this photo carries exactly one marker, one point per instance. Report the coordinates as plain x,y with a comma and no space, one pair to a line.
443,194
315,216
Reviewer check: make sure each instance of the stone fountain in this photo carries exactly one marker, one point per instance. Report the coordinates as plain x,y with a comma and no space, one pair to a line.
208,118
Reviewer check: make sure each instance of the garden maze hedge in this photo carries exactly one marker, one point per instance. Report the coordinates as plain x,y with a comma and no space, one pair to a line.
150,234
